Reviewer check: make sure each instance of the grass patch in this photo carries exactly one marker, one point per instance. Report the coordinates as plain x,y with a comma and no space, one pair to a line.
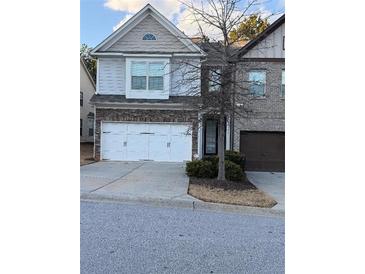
227,192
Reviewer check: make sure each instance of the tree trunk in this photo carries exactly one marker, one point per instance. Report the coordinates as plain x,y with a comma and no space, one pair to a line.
221,131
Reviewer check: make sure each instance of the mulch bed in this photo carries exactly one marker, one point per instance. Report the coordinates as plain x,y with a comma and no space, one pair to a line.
226,185
228,192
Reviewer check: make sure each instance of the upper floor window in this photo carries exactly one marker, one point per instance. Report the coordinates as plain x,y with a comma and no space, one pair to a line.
284,42
257,81
147,75
81,98
149,36
80,127
214,80
283,83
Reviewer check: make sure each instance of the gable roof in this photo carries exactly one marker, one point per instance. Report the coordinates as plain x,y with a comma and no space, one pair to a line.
137,18
87,72
261,36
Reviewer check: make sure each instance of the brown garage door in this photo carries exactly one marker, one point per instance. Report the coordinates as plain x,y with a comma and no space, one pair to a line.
265,151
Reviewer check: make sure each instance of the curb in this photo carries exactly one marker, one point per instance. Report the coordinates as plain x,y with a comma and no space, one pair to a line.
195,205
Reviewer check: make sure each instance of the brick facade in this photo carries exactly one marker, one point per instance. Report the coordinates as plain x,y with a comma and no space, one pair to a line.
145,115
262,114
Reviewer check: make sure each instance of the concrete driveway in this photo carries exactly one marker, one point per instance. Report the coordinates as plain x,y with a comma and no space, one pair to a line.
137,180
272,183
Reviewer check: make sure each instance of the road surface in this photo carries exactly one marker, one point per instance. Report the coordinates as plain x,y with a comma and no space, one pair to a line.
136,238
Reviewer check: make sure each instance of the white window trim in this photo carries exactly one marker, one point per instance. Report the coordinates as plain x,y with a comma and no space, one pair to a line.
147,94
258,70
281,84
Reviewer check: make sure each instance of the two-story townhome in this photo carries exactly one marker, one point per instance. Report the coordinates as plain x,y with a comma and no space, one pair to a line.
259,132
141,113
87,90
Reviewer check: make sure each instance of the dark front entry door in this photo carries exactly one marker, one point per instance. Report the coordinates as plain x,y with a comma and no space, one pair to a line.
265,151
211,136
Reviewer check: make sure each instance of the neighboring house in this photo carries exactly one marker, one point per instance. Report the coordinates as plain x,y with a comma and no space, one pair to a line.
260,134
140,112
258,130
87,90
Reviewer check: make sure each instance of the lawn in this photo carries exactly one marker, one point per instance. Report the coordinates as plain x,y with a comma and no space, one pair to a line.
86,153
227,192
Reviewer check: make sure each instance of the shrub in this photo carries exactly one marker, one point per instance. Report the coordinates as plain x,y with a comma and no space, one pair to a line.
235,157
233,171
208,168
200,169
192,168
214,160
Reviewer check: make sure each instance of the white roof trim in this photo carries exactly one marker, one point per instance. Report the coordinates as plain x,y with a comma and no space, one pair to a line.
137,18
147,54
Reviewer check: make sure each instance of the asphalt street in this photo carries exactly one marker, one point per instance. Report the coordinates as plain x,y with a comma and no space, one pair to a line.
136,238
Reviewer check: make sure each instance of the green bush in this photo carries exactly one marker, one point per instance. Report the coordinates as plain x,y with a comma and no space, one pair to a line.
214,160
206,169
200,169
233,171
235,157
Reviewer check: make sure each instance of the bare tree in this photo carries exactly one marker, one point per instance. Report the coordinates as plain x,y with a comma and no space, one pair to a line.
217,17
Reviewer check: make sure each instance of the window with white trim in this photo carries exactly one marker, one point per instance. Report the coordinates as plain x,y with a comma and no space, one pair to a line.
147,75
283,83
214,80
257,80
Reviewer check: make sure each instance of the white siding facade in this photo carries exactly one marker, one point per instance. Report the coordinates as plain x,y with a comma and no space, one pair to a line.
132,41
111,76
88,89
185,77
114,77
271,47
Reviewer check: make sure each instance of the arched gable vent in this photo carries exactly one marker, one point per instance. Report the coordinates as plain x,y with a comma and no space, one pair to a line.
149,36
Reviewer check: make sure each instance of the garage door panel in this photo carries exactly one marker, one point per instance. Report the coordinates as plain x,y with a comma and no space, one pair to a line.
180,130
159,129
159,147
138,128
114,128
146,141
265,151
137,147
179,145
113,147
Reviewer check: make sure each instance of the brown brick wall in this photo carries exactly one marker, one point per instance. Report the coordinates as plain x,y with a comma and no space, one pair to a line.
142,115
262,114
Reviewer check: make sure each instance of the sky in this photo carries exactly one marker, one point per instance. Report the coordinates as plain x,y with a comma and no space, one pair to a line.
98,18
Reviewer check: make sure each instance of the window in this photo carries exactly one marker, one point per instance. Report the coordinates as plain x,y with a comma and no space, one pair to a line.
155,76
284,42
214,80
91,126
283,83
147,75
139,75
81,99
257,81
80,127
211,135
149,36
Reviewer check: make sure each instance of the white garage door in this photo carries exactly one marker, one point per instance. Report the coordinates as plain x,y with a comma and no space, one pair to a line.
138,141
